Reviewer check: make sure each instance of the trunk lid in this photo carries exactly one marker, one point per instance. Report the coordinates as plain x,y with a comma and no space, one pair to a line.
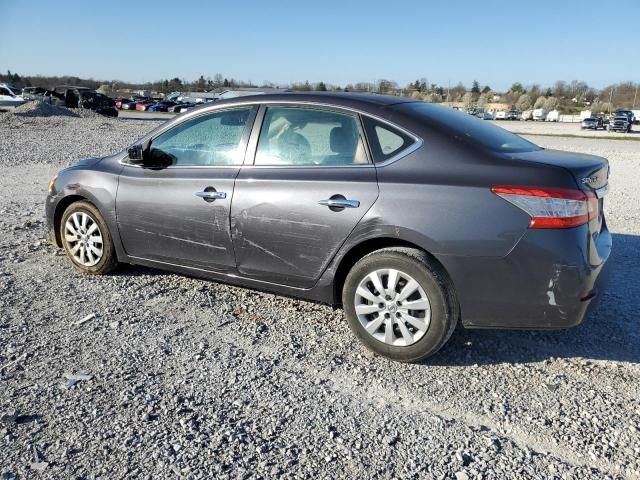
590,172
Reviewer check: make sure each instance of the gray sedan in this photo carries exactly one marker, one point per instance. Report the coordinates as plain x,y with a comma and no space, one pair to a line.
410,215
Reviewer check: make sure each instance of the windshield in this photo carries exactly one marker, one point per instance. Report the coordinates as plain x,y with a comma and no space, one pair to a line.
470,129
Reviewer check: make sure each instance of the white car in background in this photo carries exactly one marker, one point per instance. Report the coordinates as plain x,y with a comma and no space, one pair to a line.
501,115
10,96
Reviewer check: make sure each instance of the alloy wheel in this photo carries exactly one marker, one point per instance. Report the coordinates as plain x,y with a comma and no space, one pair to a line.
83,239
392,307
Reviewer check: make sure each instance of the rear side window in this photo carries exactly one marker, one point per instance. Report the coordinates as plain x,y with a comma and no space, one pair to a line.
385,141
294,136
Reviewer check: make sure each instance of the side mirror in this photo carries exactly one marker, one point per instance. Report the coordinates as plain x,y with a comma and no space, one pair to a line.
136,153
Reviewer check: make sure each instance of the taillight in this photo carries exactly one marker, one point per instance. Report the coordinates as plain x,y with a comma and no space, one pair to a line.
551,207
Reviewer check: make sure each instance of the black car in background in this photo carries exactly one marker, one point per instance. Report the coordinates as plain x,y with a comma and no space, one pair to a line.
411,215
77,97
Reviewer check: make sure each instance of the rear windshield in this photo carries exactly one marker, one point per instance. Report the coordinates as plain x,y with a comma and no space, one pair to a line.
471,129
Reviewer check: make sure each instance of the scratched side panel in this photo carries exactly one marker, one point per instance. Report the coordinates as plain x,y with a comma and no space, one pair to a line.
280,232
160,217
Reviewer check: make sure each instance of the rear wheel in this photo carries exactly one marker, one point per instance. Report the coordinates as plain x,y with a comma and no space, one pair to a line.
86,239
400,304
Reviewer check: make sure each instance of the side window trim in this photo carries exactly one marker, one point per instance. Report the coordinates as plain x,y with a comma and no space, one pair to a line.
244,139
417,141
252,146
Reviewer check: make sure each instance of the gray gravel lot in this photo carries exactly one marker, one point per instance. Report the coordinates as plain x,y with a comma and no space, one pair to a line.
556,128
175,377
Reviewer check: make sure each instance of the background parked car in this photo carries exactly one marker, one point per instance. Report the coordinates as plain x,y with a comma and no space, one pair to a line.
144,105
181,107
130,104
501,115
619,122
119,102
71,96
627,113
30,93
485,116
10,96
512,115
161,106
592,123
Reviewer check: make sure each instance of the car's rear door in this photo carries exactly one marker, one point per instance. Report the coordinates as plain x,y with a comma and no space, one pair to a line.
177,211
306,187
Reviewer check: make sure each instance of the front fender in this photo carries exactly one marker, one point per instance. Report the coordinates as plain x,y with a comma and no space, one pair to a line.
92,181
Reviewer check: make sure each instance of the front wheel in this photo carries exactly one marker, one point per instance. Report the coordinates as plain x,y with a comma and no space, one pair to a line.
400,304
86,239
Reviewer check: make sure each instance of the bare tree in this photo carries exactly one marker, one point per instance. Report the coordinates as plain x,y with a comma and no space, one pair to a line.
467,100
523,103
482,100
550,103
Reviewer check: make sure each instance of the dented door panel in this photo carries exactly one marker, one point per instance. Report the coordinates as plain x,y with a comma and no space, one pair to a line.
161,218
281,233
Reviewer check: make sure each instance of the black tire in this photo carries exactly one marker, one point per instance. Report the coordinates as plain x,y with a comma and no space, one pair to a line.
434,282
108,261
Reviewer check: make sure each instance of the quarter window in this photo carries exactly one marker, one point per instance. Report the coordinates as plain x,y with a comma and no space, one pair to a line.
385,141
214,139
302,137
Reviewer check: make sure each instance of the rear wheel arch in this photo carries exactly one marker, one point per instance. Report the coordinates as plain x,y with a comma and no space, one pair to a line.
369,246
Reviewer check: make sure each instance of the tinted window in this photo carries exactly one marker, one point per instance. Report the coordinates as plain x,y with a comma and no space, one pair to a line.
302,136
469,128
207,140
385,141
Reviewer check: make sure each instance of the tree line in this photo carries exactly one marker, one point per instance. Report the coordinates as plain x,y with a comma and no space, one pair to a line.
565,96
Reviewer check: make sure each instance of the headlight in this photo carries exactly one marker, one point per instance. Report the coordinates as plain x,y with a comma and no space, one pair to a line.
52,182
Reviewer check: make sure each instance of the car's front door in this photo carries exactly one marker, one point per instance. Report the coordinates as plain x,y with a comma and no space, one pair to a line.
175,209
307,188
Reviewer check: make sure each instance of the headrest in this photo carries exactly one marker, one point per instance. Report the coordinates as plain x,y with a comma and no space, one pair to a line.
341,140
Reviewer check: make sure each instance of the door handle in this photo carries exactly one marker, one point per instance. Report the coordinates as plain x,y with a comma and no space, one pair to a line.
340,203
213,195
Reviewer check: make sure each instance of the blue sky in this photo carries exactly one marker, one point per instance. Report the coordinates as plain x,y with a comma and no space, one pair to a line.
339,42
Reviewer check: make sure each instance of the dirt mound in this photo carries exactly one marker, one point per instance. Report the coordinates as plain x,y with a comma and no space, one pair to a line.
41,109
86,113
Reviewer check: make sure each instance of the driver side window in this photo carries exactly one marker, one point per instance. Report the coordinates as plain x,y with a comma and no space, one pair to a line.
214,139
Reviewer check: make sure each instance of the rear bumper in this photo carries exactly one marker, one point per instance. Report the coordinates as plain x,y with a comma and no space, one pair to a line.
550,280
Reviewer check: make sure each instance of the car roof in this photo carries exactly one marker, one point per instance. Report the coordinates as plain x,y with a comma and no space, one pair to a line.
73,86
363,101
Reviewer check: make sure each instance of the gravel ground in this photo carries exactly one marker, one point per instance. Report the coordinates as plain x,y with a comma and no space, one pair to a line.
145,374
553,128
